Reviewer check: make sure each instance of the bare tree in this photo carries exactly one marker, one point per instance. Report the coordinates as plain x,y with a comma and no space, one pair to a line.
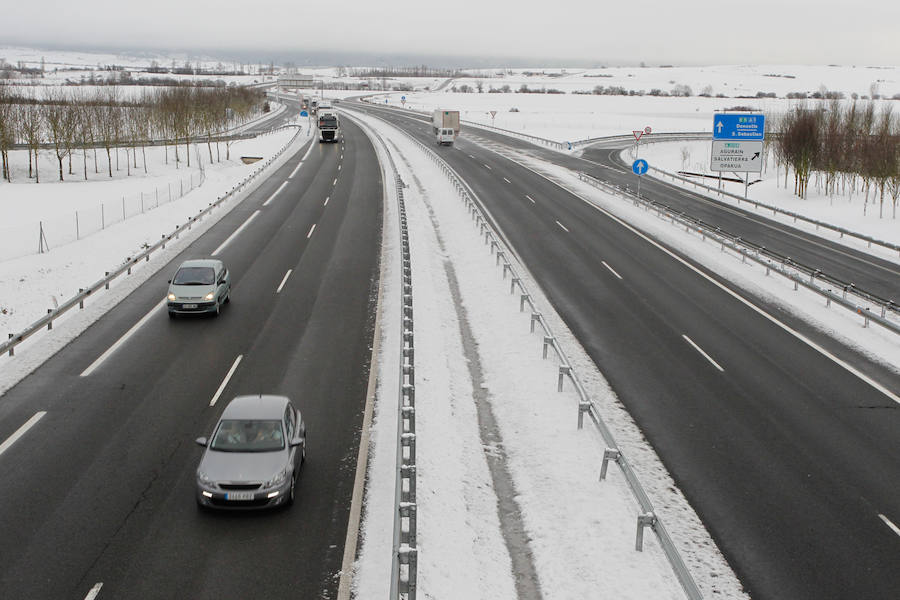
8,126
60,125
32,125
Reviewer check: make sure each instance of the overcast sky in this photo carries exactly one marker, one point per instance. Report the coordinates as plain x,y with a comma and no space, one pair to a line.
679,32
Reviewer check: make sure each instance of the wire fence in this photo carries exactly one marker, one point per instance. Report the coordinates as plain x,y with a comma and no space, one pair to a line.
41,236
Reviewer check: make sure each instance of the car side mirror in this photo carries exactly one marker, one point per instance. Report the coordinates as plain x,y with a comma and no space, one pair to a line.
298,441
202,441
170,281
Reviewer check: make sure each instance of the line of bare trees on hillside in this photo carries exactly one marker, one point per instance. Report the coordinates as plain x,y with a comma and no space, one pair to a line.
847,146
68,121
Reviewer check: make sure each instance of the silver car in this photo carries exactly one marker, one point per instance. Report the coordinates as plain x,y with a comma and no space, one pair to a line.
199,286
254,456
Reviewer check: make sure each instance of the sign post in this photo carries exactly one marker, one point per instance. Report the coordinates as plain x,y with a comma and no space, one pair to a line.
639,167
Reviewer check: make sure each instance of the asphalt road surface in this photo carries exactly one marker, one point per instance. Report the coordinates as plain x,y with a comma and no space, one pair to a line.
101,488
784,442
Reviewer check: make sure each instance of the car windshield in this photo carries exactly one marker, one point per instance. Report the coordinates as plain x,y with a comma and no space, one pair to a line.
245,435
195,276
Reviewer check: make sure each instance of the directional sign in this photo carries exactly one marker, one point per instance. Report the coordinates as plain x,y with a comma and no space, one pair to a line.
640,166
736,126
743,157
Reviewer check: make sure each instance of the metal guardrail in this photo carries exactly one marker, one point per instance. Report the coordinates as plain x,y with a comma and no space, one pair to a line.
870,241
78,300
404,561
648,517
800,274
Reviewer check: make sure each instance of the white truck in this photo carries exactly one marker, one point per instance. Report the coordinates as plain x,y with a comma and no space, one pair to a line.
329,126
446,126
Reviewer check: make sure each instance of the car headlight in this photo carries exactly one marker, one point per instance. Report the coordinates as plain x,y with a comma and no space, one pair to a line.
204,478
210,296
278,479
171,297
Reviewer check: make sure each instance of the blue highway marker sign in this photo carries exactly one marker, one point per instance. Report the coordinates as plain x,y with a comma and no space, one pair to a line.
736,126
640,166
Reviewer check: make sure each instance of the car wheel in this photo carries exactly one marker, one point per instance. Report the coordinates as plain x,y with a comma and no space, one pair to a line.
228,297
290,500
171,315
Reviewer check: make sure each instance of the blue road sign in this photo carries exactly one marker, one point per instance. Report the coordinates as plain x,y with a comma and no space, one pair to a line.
736,126
640,166
403,97
303,113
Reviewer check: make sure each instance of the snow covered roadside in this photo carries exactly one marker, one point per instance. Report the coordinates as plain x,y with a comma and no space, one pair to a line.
851,210
30,285
580,531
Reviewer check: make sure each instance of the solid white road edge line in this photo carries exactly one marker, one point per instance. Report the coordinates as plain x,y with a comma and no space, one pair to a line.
297,168
94,591
22,431
796,334
235,234
705,355
225,381
563,227
269,199
283,281
611,270
122,340
890,524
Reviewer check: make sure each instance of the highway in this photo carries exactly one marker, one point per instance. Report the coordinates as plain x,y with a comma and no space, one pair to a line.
783,441
99,493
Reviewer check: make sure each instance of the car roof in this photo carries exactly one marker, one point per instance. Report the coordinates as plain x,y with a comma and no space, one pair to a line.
259,406
201,262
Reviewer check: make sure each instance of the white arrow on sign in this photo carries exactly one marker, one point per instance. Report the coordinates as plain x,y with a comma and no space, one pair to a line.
719,126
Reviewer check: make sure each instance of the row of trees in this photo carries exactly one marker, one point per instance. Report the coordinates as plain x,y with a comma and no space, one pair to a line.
66,121
844,144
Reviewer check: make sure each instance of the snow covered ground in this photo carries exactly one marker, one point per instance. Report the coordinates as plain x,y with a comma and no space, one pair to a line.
581,531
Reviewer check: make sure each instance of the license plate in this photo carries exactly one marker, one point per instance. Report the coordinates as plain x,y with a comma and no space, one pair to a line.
239,496
189,306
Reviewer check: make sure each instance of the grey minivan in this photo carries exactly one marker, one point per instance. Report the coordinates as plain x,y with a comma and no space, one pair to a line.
199,286
254,456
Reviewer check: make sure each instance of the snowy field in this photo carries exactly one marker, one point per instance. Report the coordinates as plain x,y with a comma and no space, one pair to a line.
468,555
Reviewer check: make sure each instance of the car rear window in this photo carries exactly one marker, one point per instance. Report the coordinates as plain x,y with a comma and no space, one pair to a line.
195,276
245,435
